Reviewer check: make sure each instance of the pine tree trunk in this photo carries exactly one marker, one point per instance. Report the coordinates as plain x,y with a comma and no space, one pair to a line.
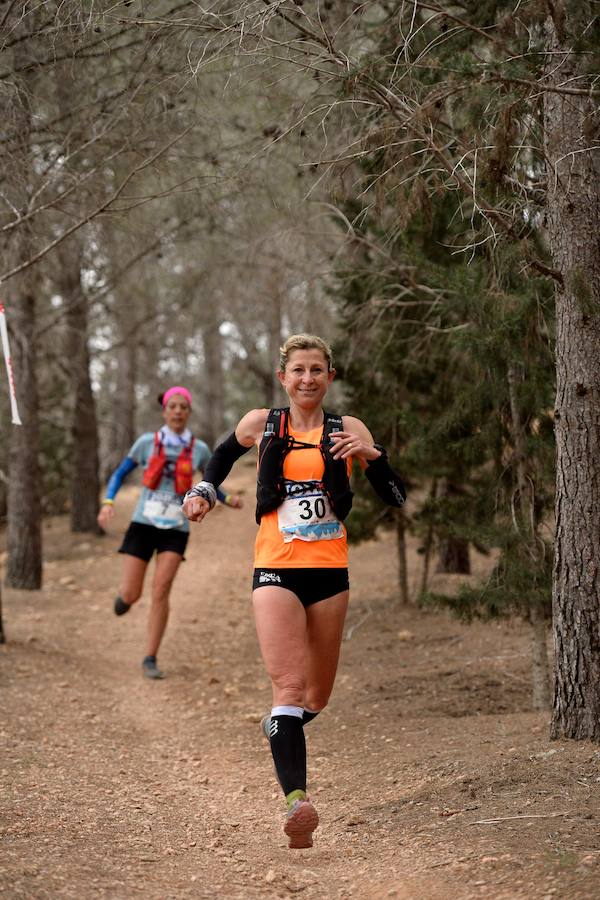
24,541
123,407
529,542
428,546
540,673
213,399
571,128
85,483
400,518
2,635
275,327
453,553
453,556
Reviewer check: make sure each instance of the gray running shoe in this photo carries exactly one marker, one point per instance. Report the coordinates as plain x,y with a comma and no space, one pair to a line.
150,669
265,726
121,607
300,822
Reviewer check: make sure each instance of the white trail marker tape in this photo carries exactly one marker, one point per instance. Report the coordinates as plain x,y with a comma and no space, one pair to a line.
9,369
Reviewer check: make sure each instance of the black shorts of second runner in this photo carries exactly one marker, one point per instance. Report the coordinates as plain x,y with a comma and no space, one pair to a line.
142,540
309,585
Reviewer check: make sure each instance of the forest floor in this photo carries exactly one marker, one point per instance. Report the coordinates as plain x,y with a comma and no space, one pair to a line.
432,777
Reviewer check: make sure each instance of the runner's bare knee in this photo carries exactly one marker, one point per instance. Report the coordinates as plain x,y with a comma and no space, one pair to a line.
288,689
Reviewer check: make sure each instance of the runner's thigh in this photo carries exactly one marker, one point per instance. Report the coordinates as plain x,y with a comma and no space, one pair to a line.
325,627
134,570
280,622
166,567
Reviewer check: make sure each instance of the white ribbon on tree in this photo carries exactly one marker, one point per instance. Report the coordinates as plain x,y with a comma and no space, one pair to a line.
9,369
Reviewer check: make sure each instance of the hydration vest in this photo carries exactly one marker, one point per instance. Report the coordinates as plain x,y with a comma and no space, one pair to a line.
275,446
184,466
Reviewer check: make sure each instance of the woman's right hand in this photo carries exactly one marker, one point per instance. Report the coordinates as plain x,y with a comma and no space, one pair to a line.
195,508
106,513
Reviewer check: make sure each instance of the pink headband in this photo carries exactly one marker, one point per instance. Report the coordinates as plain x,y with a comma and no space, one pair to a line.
176,390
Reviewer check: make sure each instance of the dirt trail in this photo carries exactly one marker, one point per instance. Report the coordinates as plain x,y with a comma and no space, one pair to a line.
116,787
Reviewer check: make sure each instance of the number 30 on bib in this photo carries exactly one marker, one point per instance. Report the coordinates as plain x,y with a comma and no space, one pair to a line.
306,515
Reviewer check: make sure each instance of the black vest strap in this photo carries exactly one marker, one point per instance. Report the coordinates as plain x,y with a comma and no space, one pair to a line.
274,447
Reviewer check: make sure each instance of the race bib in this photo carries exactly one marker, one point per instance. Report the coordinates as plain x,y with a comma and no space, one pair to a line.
163,509
306,514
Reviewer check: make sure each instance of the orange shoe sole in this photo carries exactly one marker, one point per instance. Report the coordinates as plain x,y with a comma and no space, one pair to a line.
300,824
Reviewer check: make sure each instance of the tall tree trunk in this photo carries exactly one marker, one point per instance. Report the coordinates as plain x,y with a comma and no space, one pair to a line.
85,483
571,129
274,330
530,543
428,546
400,518
213,397
540,670
2,635
24,568
123,406
453,553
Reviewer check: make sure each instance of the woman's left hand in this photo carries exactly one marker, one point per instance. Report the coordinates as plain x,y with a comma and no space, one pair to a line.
347,443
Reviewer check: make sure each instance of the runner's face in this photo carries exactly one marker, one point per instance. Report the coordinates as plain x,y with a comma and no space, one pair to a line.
306,377
176,413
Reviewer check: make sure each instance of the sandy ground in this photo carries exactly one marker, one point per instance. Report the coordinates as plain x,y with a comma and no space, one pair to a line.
432,777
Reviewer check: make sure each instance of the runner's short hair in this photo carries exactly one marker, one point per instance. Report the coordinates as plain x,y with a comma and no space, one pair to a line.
304,342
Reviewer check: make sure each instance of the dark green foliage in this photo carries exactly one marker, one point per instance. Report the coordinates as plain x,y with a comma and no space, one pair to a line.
450,360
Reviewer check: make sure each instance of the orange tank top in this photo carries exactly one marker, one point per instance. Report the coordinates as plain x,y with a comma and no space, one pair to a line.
278,542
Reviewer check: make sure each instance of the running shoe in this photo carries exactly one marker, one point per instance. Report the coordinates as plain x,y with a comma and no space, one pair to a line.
121,607
300,822
265,726
150,669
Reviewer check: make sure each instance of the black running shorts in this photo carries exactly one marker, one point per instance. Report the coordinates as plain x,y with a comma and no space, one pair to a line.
142,540
309,585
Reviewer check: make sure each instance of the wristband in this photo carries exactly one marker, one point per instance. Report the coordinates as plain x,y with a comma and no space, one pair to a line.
107,502
383,452
203,489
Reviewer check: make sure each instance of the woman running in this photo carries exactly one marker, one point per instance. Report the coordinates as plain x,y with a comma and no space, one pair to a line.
300,585
169,458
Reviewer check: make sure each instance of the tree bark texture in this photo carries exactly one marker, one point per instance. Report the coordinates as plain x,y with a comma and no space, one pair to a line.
571,134
428,545
213,397
400,517
2,635
453,553
275,326
530,543
540,670
24,568
24,539
122,420
85,482
453,556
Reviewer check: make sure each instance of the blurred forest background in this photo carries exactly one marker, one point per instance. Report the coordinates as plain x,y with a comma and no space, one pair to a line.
185,185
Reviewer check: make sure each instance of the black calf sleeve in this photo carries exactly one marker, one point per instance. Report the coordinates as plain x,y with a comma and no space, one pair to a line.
221,462
308,715
289,752
386,483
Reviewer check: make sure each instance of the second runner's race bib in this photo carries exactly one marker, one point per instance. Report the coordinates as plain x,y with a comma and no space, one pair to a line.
163,509
306,514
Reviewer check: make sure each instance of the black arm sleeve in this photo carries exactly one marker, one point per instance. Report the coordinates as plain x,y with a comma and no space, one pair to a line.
386,483
221,462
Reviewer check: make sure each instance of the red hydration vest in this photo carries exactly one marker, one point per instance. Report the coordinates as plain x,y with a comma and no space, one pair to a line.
184,466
